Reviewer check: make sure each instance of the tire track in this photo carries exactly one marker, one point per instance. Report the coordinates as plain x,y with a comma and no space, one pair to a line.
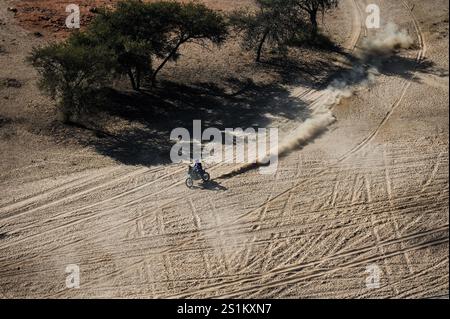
101,213
297,267
5,216
196,236
68,184
296,278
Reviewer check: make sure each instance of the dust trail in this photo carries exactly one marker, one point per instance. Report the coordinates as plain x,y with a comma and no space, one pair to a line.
386,42
374,51
306,132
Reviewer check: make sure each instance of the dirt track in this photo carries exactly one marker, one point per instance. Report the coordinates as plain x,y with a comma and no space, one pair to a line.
372,190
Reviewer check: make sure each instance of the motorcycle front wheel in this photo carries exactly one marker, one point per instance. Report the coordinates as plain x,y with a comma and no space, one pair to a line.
189,183
206,177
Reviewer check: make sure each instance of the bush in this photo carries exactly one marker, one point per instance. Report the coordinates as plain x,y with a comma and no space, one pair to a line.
71,71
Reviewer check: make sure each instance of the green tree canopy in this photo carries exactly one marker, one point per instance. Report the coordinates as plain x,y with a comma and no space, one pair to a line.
70,70
140,32
135,32
195,23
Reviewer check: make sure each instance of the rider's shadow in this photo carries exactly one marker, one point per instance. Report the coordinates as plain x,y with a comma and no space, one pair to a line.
212,186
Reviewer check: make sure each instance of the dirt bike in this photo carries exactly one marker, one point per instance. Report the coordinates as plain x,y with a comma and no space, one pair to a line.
193,175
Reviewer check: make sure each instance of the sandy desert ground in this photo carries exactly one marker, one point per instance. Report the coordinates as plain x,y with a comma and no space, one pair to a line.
371,191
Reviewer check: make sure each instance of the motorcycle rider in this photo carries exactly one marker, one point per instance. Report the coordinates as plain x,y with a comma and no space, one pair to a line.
198,168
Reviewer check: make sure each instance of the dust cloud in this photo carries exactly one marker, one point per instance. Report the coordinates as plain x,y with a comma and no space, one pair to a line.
374,51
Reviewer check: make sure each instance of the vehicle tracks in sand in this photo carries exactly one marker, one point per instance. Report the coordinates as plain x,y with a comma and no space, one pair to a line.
87,185
173,244
297,275
86,208
296,272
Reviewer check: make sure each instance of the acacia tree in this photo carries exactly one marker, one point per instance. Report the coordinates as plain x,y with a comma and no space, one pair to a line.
314,7
276,23
139,33
136,32
191,23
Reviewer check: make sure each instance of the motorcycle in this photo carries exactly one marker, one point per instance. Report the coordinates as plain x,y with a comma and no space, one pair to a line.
193,175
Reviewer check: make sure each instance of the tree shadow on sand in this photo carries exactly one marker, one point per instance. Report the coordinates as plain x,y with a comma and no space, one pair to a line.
407,68
159,111
359,71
